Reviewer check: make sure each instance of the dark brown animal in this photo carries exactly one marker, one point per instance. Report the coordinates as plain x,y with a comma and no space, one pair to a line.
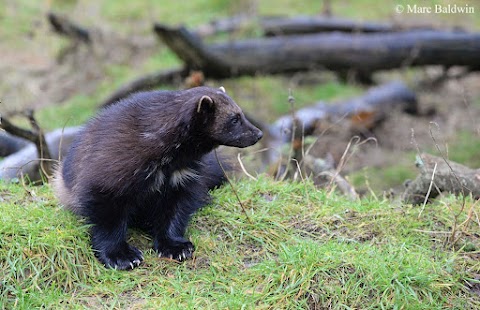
147,161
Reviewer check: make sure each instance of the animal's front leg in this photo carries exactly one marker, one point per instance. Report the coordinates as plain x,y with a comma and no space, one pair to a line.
108,233
169,230
177,248
112,249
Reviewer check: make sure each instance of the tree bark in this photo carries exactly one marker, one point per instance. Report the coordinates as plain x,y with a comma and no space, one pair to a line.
189,47
437,176
314,24
282,25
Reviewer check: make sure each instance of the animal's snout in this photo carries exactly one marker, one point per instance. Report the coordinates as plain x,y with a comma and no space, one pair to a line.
259,134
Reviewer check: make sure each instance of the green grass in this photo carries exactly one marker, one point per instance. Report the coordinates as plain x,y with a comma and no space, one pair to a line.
384,178
465,149
303,248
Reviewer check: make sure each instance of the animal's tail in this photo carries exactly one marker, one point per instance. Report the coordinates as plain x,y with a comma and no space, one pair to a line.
62,192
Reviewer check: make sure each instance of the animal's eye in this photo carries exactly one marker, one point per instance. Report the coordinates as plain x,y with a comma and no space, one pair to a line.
235,120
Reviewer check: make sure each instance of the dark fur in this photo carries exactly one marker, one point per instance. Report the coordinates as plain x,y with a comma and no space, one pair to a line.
146,161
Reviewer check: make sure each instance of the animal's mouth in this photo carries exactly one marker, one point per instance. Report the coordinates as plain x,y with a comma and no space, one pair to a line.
247,139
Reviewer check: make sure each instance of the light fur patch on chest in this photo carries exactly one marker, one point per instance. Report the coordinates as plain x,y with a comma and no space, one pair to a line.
158,178
159,181
182,176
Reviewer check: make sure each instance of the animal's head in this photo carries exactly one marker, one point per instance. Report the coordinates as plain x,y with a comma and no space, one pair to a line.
223,120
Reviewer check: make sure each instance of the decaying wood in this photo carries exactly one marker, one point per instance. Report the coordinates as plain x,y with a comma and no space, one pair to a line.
10,144
63,26
343,51
339,52
147,82
189,47
26,162
36,136
447,176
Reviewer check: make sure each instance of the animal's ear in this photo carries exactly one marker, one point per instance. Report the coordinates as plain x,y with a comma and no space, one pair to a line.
222,89
205,103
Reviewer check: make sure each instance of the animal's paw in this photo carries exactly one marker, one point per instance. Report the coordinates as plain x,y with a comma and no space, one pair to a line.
177,250
121,257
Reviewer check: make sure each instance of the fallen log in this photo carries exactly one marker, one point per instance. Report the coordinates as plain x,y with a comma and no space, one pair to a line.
283,25
361,114
36,136
364,53
287,148
10,144
276,25
190,48
313,24
26,162
437,176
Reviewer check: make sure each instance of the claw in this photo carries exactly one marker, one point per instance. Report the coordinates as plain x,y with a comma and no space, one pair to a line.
160,254
131,265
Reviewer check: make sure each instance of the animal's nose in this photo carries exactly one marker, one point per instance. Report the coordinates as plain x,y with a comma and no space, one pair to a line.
259,134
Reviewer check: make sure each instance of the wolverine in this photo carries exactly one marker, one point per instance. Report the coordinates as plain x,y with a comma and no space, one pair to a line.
147,161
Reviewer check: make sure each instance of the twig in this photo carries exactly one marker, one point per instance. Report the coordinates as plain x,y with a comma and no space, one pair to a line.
419,153
232,187
63,26
344,159
446,161
291,100
299,170
42,146
16,131
243,168
462,186
429,190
